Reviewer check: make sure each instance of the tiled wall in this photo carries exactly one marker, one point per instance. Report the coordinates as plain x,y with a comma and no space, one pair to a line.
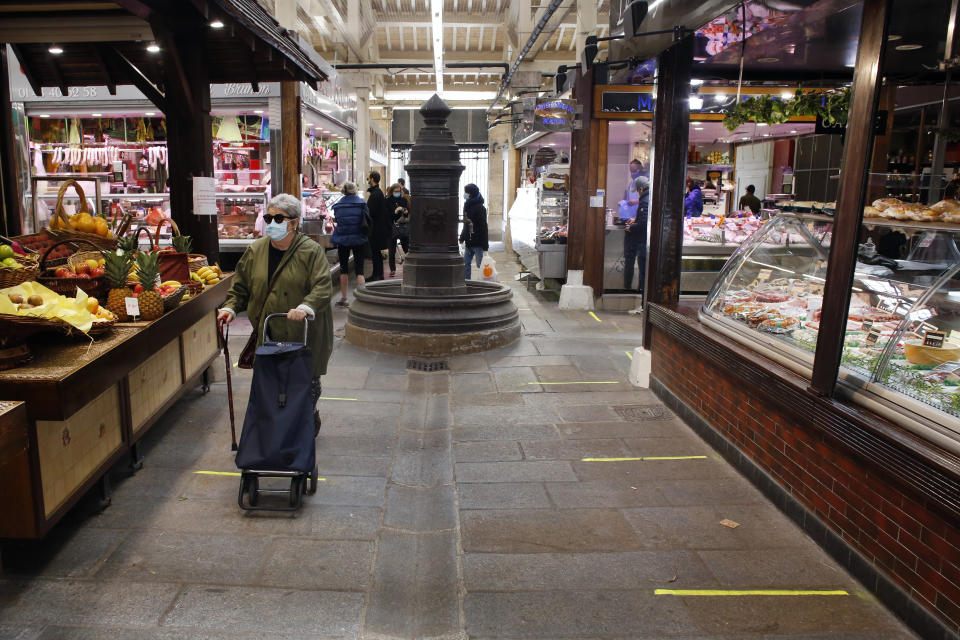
906,539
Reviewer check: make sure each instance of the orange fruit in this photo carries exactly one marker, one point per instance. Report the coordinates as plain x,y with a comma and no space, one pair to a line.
100,227
86,223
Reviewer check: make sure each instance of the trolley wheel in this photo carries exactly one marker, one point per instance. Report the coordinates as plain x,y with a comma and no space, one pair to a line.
312,486
296,491
253,490
205,381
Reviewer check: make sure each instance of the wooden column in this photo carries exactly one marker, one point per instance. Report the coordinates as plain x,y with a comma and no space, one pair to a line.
580,174
671,133
876,188
189,137
291,134
595,223
850,200
9,187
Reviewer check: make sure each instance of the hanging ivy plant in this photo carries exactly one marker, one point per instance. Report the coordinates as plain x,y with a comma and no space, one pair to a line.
832,105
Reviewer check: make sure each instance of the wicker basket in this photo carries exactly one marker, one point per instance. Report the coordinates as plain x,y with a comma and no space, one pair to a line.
194,288
197,261
172,301
94,287
11,276
62,222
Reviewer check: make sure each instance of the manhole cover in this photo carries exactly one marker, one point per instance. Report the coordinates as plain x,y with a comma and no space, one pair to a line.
428,365
641,412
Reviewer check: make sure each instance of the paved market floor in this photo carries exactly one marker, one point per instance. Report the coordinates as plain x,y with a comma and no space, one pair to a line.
460,504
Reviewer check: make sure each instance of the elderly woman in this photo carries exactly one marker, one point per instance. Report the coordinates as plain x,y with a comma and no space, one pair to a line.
285,272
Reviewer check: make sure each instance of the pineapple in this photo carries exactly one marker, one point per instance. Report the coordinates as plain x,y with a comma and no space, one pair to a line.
182,244
151,303
116,266
127,243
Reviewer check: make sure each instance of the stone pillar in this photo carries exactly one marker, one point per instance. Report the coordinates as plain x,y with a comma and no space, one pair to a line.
434,265
362,140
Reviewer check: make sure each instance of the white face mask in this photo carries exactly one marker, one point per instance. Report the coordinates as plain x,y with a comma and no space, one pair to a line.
277,231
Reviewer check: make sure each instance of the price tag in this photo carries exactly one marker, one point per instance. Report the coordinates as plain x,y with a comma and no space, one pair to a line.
927,240
764,275
873,336
866,326
133,307
934,339
925,328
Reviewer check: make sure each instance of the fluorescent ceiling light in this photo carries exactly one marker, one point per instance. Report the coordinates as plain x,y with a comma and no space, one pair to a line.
766,135
150,113
696,82
258,110
786,95
761,124
96,115
893,37
153,48
720,97
448,96
217,24
436,10
698,128
696,122
55,49
793,130
631,122
44,115
696,102
908,47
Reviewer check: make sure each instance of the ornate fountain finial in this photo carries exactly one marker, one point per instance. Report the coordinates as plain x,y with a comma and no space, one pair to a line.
435,111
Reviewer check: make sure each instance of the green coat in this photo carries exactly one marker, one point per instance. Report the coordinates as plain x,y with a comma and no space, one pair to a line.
304,278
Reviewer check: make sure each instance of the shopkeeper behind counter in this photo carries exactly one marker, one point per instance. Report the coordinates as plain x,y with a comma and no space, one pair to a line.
635,236
750,201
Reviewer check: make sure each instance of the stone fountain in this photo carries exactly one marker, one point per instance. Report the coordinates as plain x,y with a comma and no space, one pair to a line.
434,311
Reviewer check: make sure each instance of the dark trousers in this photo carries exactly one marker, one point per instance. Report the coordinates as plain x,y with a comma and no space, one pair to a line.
635,251
404,242
376,258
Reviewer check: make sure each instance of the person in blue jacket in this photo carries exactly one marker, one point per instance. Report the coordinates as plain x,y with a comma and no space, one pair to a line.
693,203
349,212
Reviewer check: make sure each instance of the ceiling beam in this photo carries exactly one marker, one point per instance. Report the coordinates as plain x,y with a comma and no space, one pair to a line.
450,19
74,29
27,70
137,78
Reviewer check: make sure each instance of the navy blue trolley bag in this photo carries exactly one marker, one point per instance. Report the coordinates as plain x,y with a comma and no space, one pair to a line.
278,429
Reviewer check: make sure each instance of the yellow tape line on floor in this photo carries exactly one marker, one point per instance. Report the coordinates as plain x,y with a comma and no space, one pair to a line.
232,473
581,382
748,592
594,316
343,399
629,355
644,458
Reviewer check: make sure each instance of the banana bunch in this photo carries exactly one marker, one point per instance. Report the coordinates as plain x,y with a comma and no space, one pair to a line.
207,275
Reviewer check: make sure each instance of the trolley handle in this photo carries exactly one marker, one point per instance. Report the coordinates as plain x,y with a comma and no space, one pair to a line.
266,321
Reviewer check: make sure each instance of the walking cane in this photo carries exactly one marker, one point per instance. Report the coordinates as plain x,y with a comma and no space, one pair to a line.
226,360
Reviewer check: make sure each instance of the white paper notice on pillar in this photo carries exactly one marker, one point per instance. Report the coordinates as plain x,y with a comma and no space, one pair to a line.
205,196
596,201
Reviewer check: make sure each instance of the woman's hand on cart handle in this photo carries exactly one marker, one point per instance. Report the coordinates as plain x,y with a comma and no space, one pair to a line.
297,315
225,316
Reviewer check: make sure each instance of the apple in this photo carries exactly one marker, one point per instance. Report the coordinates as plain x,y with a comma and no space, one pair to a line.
82,268
63,272
85,276
93,305
93,264
137,289
98,271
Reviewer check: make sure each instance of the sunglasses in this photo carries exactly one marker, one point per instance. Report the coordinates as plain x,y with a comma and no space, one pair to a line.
269,218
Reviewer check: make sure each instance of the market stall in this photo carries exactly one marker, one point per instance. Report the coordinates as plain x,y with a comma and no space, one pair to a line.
832,358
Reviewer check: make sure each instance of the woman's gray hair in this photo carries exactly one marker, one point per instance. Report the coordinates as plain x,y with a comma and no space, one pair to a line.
349,188
287,203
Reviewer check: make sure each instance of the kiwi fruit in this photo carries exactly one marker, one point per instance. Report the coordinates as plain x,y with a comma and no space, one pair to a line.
15,298
24,306
35,300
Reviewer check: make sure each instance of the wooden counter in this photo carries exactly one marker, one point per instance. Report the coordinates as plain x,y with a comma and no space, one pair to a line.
85,405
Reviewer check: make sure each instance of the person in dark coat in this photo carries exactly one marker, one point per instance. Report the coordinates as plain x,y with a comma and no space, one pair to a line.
693,203
635,236
382,231
474,234
399,205
348,235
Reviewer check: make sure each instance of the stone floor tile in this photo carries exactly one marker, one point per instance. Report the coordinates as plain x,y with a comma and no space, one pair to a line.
760,527
730,490
522,347
487,451
599,395
472,363
430,383
84,602
647,471
558,373
438,412
604,493
587,413
341,523
545,531
331,614
121,633
73,553
503,495
495,416
533,361
573,614
340,465
516,380
164,556
572,449
801,568
472,383
583,571
151,482
415,587
19,632
386,382
388,363
681,445
340,377
312,564
420,510
475,433
365,401
524,471
354,491
486,399
371,446
620,429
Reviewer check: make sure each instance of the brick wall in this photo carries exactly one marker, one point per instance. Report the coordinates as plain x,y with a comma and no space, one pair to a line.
906,539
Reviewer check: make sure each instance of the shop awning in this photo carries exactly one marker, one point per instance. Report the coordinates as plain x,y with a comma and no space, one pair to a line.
106,43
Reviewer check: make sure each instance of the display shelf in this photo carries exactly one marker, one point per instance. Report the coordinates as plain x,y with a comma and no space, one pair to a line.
914,225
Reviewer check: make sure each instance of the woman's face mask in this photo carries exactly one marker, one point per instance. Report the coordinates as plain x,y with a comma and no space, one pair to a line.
277,231
396,194
466,196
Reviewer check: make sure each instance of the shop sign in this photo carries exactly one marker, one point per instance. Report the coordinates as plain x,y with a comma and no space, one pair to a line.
554,115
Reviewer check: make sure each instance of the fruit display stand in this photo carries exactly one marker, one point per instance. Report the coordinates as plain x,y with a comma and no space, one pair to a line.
86,405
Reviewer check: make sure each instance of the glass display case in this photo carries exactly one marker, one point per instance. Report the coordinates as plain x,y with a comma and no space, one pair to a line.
901,350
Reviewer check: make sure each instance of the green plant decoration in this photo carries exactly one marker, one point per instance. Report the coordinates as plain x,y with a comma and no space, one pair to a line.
832,105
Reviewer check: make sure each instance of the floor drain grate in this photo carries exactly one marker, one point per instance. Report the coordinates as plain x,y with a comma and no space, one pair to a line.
641,412
428,366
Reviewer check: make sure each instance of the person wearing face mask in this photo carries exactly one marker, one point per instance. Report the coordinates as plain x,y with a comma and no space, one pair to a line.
285,272
474,234
399,205
382,231
631,199
350,212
